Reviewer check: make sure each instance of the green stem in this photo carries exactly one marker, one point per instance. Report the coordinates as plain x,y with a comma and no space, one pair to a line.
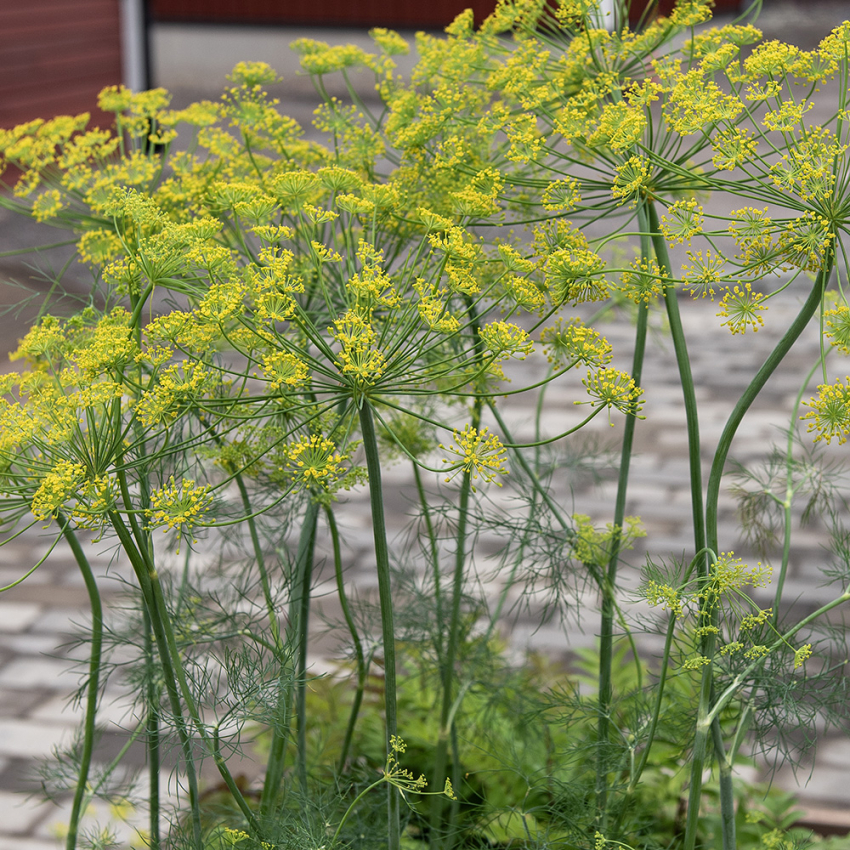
359,654
727,795
787,504
448,671
142,574
433,551
152,741
175,674
606,629
280,728
686,380
705,710
382,558
93,688
301,606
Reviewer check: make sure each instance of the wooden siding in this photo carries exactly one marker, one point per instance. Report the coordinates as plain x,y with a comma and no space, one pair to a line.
389,13
435,14
55,56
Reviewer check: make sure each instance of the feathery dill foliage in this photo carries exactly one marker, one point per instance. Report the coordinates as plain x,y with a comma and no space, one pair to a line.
273,320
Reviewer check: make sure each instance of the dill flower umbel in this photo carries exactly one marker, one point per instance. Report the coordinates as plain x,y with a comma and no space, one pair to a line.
481,454
632,179
684,222
742,309
179,506
643,282
574,342
314,460
830,416
613,388
62,483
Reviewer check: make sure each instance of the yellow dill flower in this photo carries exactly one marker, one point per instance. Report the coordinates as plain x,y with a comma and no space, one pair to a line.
731,573
838,327
313,460
733,148
354,204
756,652
474,204
270,234
731,647
293,189
561,195
574,342
372,286
461,279
251,74
695,662
750,225
178,386
632,180
643,282
742,309
524,137
685,221
525,293
690,13
771,59
284,370
504,340
481,454
45,340
807,242
612,388
433,309
389,41
179,506
62,483
433,223
358,357
665,597
788,117
834,48
830,412
809,166
704,275
802,655
99,246
696,102
575,276
222,302
752,621
620,126
47,205
593,546
109,345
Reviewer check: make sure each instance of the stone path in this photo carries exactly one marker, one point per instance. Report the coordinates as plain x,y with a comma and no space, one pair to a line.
37,616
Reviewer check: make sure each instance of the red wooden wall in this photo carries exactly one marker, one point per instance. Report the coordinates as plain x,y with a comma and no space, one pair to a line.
389,13
55,56
434,14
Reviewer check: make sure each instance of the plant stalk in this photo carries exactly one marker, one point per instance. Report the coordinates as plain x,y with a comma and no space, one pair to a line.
382,558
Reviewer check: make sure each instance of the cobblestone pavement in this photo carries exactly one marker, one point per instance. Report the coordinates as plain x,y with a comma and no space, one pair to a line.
37,617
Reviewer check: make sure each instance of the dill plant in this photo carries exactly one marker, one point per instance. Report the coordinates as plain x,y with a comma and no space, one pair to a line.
272,320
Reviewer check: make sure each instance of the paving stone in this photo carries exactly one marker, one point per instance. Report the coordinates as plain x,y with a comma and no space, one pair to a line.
18,616
26,673
21,813
16,843
30,739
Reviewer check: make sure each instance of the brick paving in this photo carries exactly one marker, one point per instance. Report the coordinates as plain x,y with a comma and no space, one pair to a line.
37,617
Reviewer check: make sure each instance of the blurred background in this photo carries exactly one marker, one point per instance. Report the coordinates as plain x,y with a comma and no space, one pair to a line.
55,56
